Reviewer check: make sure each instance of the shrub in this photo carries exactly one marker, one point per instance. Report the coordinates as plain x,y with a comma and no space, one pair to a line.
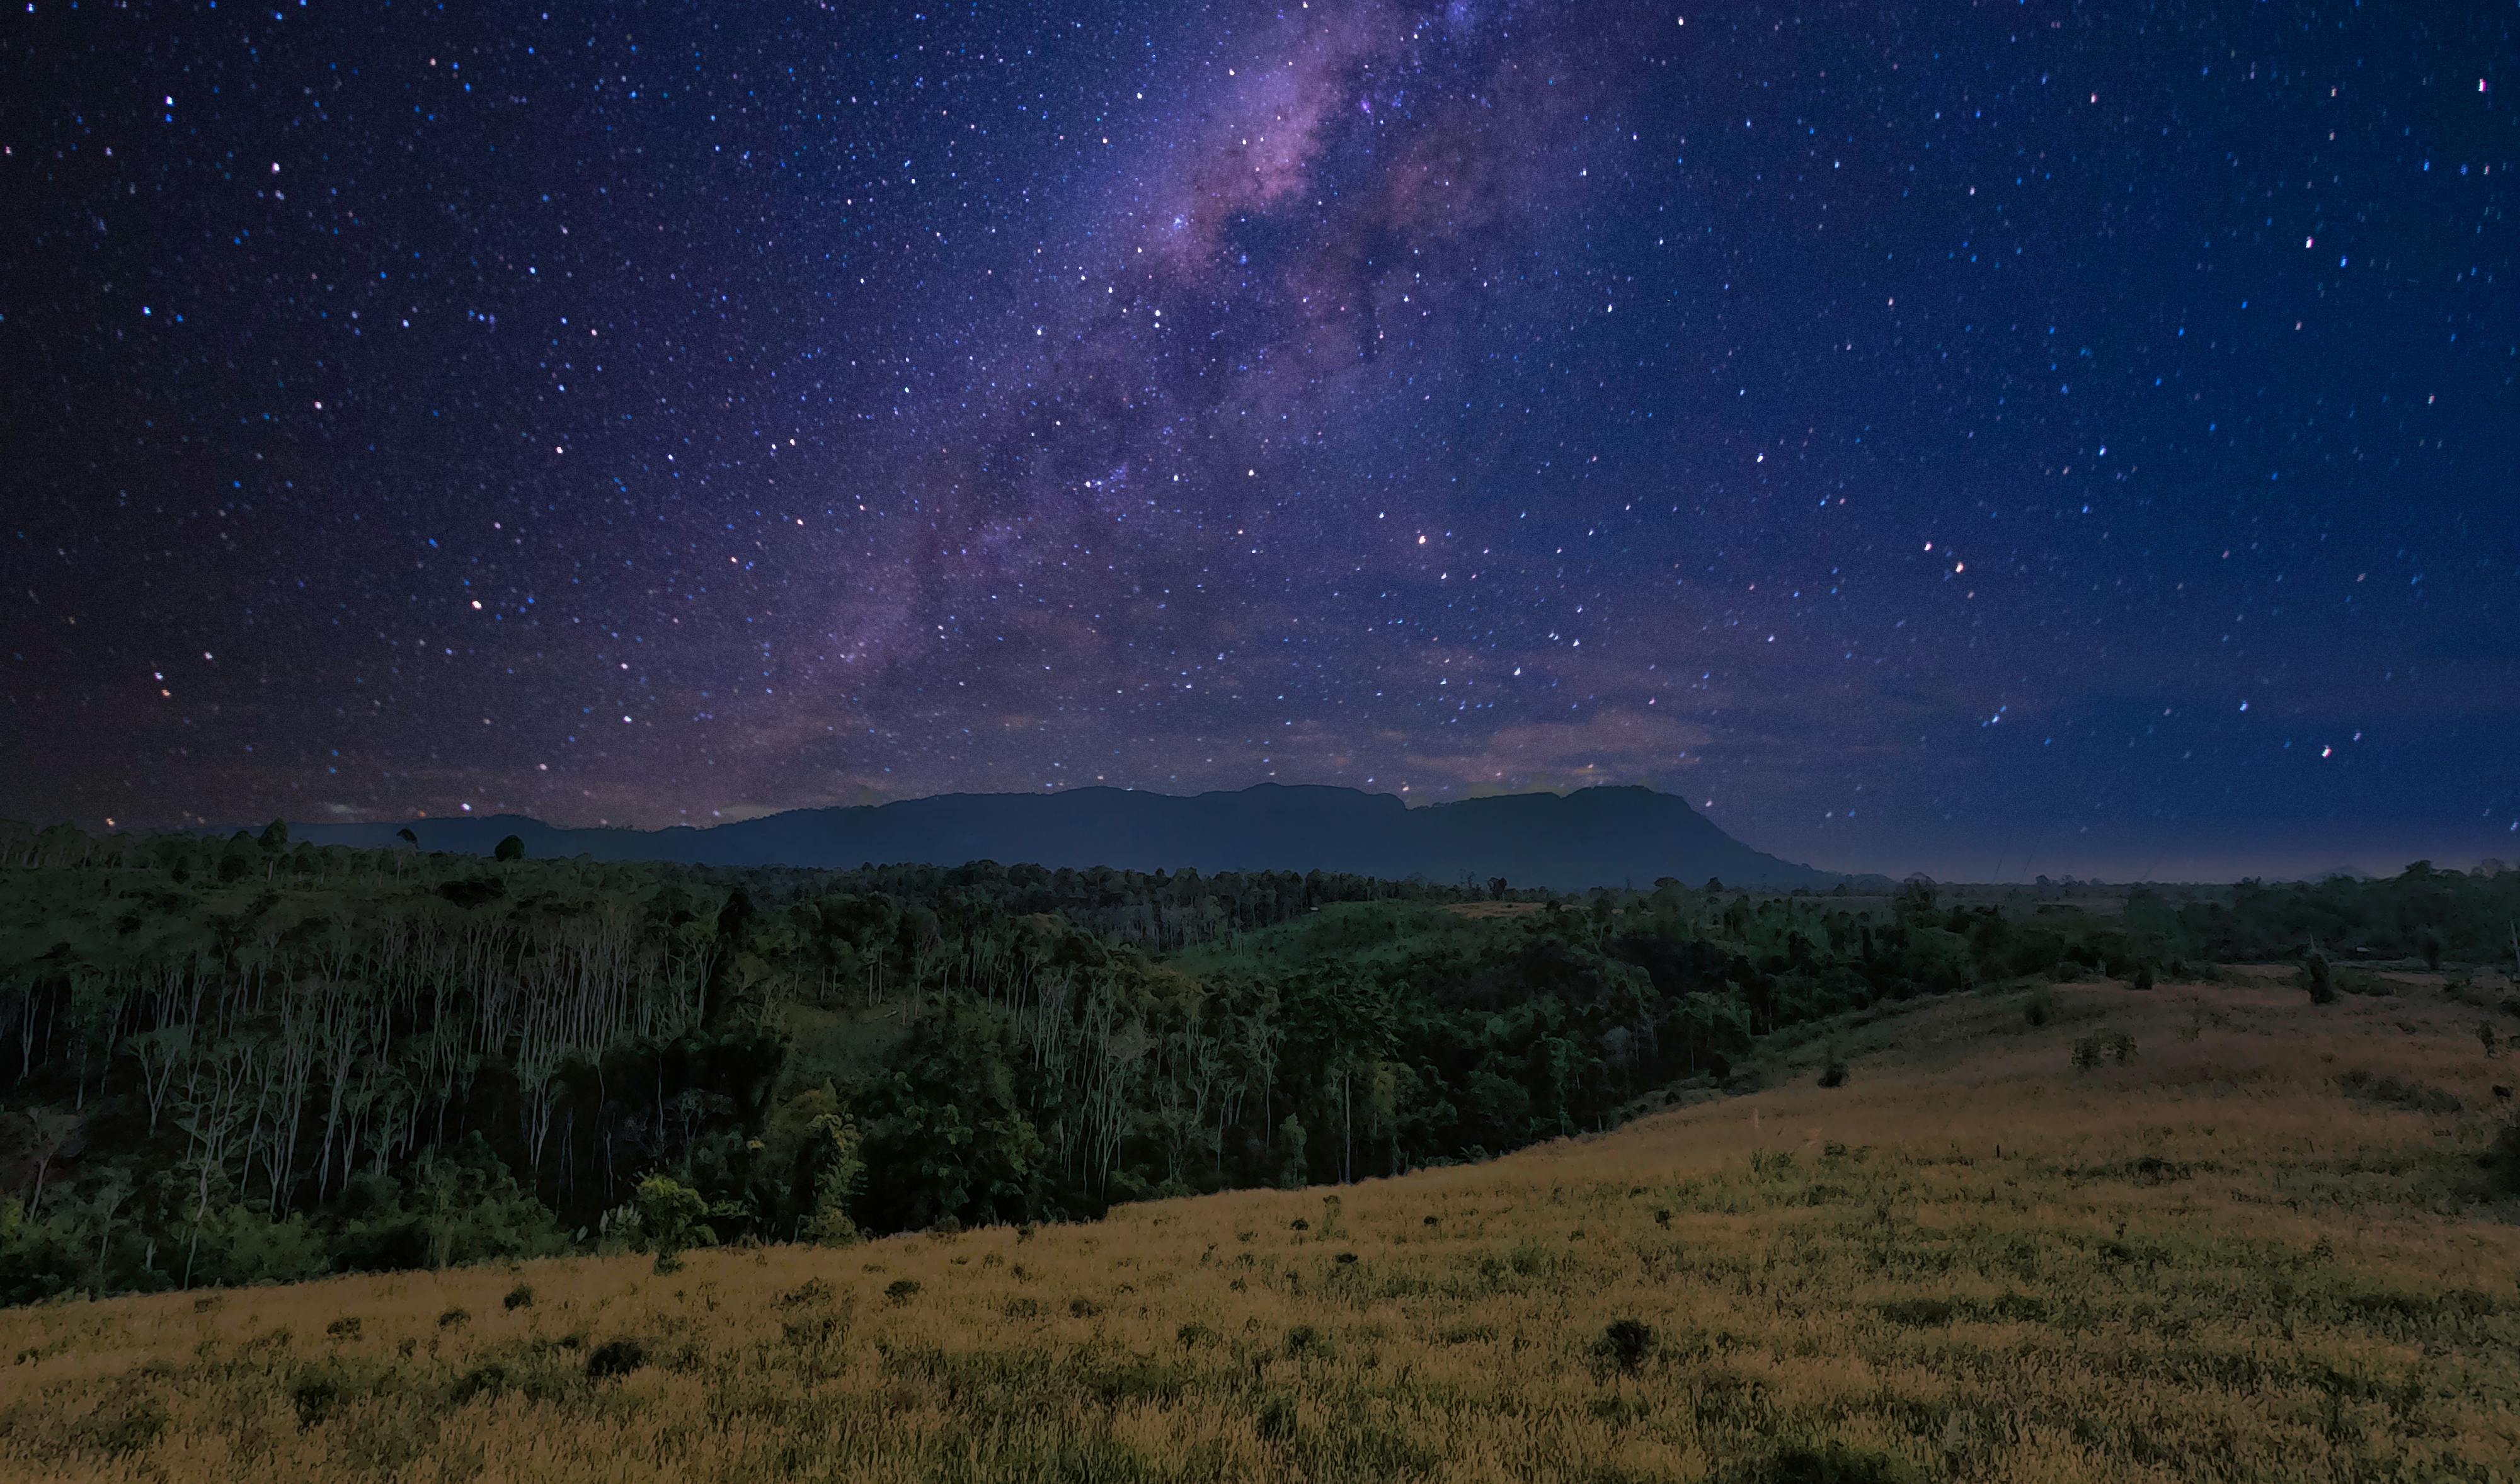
615,1358
129,1426
2398,1092
1625,1344
2501,1159
489,1378
901,1290
454,1318
669,1217
522,1296
315,1397
2143,975
1834,1073
2087,1054
2040,1008
2122,1048
2317,979
1830,1463
1919,1312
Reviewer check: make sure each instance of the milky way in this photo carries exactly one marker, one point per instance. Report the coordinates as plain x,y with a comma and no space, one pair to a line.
1997,438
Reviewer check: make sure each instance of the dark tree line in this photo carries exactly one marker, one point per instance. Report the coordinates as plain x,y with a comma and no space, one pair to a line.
234,1059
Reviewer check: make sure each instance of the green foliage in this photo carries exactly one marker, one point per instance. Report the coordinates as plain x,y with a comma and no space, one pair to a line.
456,1205
397,1059
671,1216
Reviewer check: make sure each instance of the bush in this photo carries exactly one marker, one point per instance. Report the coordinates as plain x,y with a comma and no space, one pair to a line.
615,1358
671,1216
901,1290
1830,1463
315,1397
2501,1159
2040,1008
1920,1313
2143,975
2398,1092
1625,1344
522,1296
2087,1054
1834,1073
2318,980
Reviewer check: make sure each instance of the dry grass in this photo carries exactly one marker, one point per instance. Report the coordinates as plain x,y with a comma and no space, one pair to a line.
1482,911
2209,1261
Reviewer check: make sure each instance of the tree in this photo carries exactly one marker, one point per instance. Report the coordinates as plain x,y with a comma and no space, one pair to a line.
405,836
839,1170
48,1132
669,1217
511,849
274,836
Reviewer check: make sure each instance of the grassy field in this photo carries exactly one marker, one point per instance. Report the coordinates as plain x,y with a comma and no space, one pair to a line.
2248,1238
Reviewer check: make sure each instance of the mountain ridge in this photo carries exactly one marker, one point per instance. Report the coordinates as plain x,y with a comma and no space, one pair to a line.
1609,835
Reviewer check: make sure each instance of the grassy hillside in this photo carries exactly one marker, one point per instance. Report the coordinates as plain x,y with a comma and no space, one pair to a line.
2204,1232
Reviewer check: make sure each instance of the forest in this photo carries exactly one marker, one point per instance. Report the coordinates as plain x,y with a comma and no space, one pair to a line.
245,1060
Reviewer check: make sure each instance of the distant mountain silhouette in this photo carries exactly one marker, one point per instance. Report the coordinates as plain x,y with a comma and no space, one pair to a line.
1568,842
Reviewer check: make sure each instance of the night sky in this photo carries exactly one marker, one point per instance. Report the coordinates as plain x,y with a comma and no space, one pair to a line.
1994,438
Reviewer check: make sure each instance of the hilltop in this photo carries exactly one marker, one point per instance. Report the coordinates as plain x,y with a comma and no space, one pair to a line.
1608,836
2084,1233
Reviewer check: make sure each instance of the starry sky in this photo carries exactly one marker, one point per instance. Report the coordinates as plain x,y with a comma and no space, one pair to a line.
1995,438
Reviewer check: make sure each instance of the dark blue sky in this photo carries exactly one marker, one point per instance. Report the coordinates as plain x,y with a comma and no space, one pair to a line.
1996,439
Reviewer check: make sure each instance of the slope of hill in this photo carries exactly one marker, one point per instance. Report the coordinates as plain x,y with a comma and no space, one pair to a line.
1595,838
2204,1232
